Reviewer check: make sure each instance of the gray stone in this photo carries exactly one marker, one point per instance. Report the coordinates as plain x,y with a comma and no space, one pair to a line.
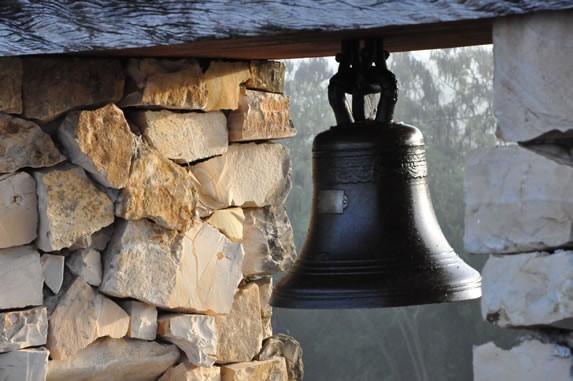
53,271
248,175
86,263
516,201
268,241
54,85
18,210
189,372
24,365
24,144
533,86
288,347
530,361
115,360
71,208
22,279
184,137
23,329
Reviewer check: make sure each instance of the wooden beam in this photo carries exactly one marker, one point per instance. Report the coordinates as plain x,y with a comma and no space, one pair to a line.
249,28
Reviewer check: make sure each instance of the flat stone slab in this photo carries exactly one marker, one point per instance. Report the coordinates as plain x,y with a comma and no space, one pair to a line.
18,210
22,278
11,85
270,370
23,329
24,365
516,201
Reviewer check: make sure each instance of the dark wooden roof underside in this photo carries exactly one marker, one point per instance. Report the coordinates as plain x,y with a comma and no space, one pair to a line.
248,28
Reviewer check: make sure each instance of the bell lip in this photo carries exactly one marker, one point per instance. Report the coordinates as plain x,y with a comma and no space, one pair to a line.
357,299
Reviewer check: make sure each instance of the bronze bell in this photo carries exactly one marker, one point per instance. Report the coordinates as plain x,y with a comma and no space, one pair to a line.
373,240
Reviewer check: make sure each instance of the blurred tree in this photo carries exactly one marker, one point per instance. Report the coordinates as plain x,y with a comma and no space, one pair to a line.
447,95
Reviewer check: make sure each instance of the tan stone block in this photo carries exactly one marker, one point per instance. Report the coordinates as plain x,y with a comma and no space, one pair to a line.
261,116
70,206
181,84
195,335
115,360
267,76
240,332
142,319
193,272
184,137
24,365
229,222
265,291
268,370
18,210
268,241
189,372
52,86
223,84
100,142
11,85
248,175
86,263
82,316
24,144
22,279
53,271
529,361
22,329
286,347
159,190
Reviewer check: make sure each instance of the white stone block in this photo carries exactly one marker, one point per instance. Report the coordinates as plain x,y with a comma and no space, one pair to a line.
533,85
195,335
18,210
193,272
23,329
229,221
115,360
529,289
142,319
248,175
81,317
22,278
530,361
271,370
184,137
24,365
53,271
516,201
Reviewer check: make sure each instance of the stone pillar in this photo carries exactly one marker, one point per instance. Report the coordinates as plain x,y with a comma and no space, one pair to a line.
142,217
519,201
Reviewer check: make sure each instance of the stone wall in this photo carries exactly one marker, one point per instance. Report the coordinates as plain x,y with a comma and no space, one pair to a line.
519,201
141,218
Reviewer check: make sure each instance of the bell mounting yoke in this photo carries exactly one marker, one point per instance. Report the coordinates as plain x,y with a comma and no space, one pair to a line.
362,71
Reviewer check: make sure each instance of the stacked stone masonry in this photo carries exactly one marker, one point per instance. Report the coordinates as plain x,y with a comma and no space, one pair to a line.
519,202
141,219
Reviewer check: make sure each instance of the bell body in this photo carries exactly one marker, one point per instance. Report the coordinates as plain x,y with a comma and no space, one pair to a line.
373,239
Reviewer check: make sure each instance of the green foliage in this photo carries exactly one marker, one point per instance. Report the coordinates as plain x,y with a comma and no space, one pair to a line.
447,95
